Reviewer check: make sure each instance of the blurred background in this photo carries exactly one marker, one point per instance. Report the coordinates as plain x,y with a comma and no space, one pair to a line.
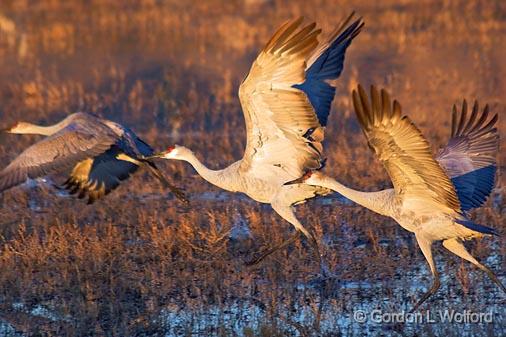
139,263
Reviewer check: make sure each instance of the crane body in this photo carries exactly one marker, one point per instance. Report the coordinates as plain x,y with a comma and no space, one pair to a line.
286,100
431,195
99,152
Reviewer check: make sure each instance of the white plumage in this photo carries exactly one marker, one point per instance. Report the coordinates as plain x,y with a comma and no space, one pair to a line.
286,100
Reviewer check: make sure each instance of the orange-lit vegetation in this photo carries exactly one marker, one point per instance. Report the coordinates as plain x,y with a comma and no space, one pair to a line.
171,70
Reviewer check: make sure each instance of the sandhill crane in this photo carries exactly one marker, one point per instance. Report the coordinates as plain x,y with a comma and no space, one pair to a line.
101,152
430,196
286,100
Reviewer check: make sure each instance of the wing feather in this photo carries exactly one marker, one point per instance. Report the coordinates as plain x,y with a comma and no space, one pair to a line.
74,143
404,152
97,177
284,133
469,158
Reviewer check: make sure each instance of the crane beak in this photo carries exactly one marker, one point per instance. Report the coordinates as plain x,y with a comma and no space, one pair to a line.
300,180
296,181
154,156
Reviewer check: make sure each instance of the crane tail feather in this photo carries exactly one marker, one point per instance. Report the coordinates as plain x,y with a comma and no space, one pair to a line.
477,227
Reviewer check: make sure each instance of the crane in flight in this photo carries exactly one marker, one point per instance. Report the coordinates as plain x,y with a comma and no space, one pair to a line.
286,100
430,195
100,152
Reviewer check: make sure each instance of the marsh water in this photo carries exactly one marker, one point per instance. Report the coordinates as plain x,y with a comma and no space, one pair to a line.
139,263
348,301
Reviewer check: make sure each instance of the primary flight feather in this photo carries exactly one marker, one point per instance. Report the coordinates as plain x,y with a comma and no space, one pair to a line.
99,152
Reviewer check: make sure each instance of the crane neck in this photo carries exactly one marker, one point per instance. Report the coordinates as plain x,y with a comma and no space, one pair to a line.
34,129
223,179
45,130
380,202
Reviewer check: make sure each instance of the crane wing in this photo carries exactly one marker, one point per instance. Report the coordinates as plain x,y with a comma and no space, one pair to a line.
98,176
469,158
286,99
72,144
129,142
404,152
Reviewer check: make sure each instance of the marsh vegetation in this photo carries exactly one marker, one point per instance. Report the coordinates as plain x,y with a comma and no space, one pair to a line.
140,263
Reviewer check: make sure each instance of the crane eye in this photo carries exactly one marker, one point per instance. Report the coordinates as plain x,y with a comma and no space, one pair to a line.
170,148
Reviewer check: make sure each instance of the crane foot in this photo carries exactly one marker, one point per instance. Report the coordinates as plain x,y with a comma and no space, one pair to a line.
271,250
432,290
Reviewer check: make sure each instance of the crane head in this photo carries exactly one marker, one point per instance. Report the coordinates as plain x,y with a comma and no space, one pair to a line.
172,152
18,127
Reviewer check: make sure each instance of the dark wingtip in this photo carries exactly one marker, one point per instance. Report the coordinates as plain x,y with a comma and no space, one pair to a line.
82,194
323,163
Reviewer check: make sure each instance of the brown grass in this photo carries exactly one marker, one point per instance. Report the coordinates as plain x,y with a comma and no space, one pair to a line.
171,70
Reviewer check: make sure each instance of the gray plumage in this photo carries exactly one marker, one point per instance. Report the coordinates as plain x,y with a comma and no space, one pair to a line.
469,158
100,152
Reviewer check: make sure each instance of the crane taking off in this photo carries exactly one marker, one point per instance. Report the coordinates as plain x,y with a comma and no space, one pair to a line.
101,152
286,100
430,196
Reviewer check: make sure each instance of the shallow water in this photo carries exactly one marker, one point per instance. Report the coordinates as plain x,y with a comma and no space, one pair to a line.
348,303
337,307
351,308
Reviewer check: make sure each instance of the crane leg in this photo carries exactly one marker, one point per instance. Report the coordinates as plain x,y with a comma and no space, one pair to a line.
457,247
179,193
312,240
319,256
271,250
286,212
426,248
